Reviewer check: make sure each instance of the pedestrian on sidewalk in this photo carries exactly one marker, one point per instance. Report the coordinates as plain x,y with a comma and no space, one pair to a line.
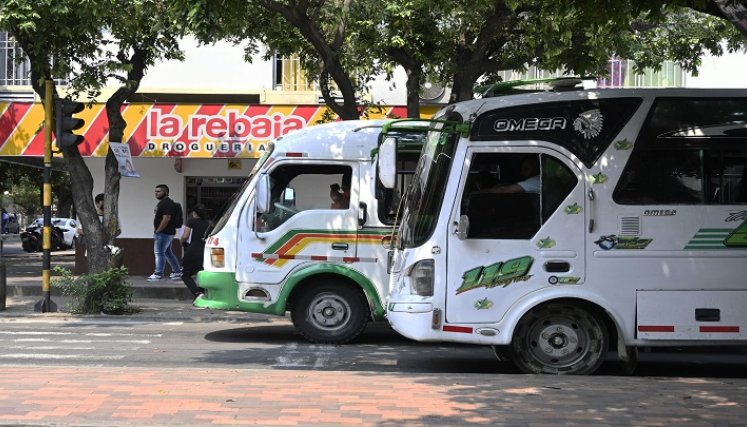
164,229
193,242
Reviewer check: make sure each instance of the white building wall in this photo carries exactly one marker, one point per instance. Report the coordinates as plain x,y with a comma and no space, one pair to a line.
727,71
136,198
218,67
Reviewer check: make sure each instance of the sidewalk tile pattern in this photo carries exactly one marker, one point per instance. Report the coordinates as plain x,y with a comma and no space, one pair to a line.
91,396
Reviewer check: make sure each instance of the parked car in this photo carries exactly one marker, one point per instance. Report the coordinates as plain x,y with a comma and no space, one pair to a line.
67,226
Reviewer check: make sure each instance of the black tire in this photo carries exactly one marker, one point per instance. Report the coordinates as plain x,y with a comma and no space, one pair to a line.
333,313
501,352
560,339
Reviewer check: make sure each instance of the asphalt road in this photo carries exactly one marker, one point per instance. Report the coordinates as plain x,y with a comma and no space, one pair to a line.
272,343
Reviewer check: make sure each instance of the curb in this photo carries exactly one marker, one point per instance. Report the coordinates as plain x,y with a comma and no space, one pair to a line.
150,311
177,291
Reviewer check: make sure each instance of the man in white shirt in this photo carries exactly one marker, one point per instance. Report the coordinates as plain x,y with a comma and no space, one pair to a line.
529,175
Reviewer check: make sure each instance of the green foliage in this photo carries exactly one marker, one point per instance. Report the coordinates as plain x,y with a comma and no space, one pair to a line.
90,44
24,185
27,197
321,34
584,35
457,42
56,35
137,35
107,292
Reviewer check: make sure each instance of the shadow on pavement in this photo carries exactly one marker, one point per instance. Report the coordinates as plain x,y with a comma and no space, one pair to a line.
381,348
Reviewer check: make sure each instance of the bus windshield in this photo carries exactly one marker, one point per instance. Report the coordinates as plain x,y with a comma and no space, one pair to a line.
426,192
234,200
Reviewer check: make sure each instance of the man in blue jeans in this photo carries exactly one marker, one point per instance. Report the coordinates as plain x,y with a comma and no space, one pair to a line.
163,235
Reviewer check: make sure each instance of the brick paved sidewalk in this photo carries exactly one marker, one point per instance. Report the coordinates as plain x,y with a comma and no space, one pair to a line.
190,397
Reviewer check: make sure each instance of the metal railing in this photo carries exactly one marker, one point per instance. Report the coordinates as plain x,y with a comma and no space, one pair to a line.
14,67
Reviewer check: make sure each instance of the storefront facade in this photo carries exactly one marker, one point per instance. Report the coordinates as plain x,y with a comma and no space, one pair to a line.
203,152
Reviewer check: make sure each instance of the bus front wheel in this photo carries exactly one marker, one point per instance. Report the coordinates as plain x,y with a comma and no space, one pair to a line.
332,313
559,339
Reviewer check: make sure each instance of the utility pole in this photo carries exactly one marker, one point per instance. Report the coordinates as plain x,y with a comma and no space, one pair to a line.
46,305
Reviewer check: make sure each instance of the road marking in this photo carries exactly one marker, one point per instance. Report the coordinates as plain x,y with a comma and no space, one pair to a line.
76,321
76,341
87,334
58,356
50,347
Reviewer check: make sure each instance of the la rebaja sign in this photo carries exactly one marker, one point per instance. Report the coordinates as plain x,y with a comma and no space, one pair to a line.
229,126
225,133
173,130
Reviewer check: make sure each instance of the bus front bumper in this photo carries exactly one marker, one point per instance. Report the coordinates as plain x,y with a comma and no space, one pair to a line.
223,294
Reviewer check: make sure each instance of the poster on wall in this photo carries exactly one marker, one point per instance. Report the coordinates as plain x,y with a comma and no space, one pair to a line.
124,159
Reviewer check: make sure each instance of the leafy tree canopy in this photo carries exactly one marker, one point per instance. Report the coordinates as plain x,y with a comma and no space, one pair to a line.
93,43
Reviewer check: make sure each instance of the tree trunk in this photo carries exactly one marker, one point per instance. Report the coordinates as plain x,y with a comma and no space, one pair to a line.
348,110
82,185
297,15
80,176
463,83
117,126
414,70
64,201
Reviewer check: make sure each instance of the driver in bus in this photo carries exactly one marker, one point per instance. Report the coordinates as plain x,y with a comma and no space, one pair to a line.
337,196
529,179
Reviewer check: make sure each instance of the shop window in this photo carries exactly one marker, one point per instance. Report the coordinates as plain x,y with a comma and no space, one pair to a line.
290,76
216,194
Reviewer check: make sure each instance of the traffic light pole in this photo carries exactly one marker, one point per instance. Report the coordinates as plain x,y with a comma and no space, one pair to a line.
46,305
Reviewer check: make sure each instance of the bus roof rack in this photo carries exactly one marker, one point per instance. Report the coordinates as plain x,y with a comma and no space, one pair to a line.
513,87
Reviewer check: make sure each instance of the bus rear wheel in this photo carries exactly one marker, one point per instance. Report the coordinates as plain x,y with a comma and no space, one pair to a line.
332,313
561,339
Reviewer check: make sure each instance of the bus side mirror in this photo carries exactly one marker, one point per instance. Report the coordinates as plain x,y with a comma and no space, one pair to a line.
387,164
263,194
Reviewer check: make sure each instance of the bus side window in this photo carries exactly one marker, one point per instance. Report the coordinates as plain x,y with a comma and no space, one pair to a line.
683,176
296,188
510,195
742,193
557,182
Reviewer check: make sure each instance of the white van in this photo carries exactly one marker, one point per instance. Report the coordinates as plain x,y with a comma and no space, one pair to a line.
555,226
309,232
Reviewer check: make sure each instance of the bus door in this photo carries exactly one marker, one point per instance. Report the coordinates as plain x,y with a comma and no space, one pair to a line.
312,217
518,225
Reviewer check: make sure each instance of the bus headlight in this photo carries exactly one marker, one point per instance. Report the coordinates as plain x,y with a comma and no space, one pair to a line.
421,278
217,257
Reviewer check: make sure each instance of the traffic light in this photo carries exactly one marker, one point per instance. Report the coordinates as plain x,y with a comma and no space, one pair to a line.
65,123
